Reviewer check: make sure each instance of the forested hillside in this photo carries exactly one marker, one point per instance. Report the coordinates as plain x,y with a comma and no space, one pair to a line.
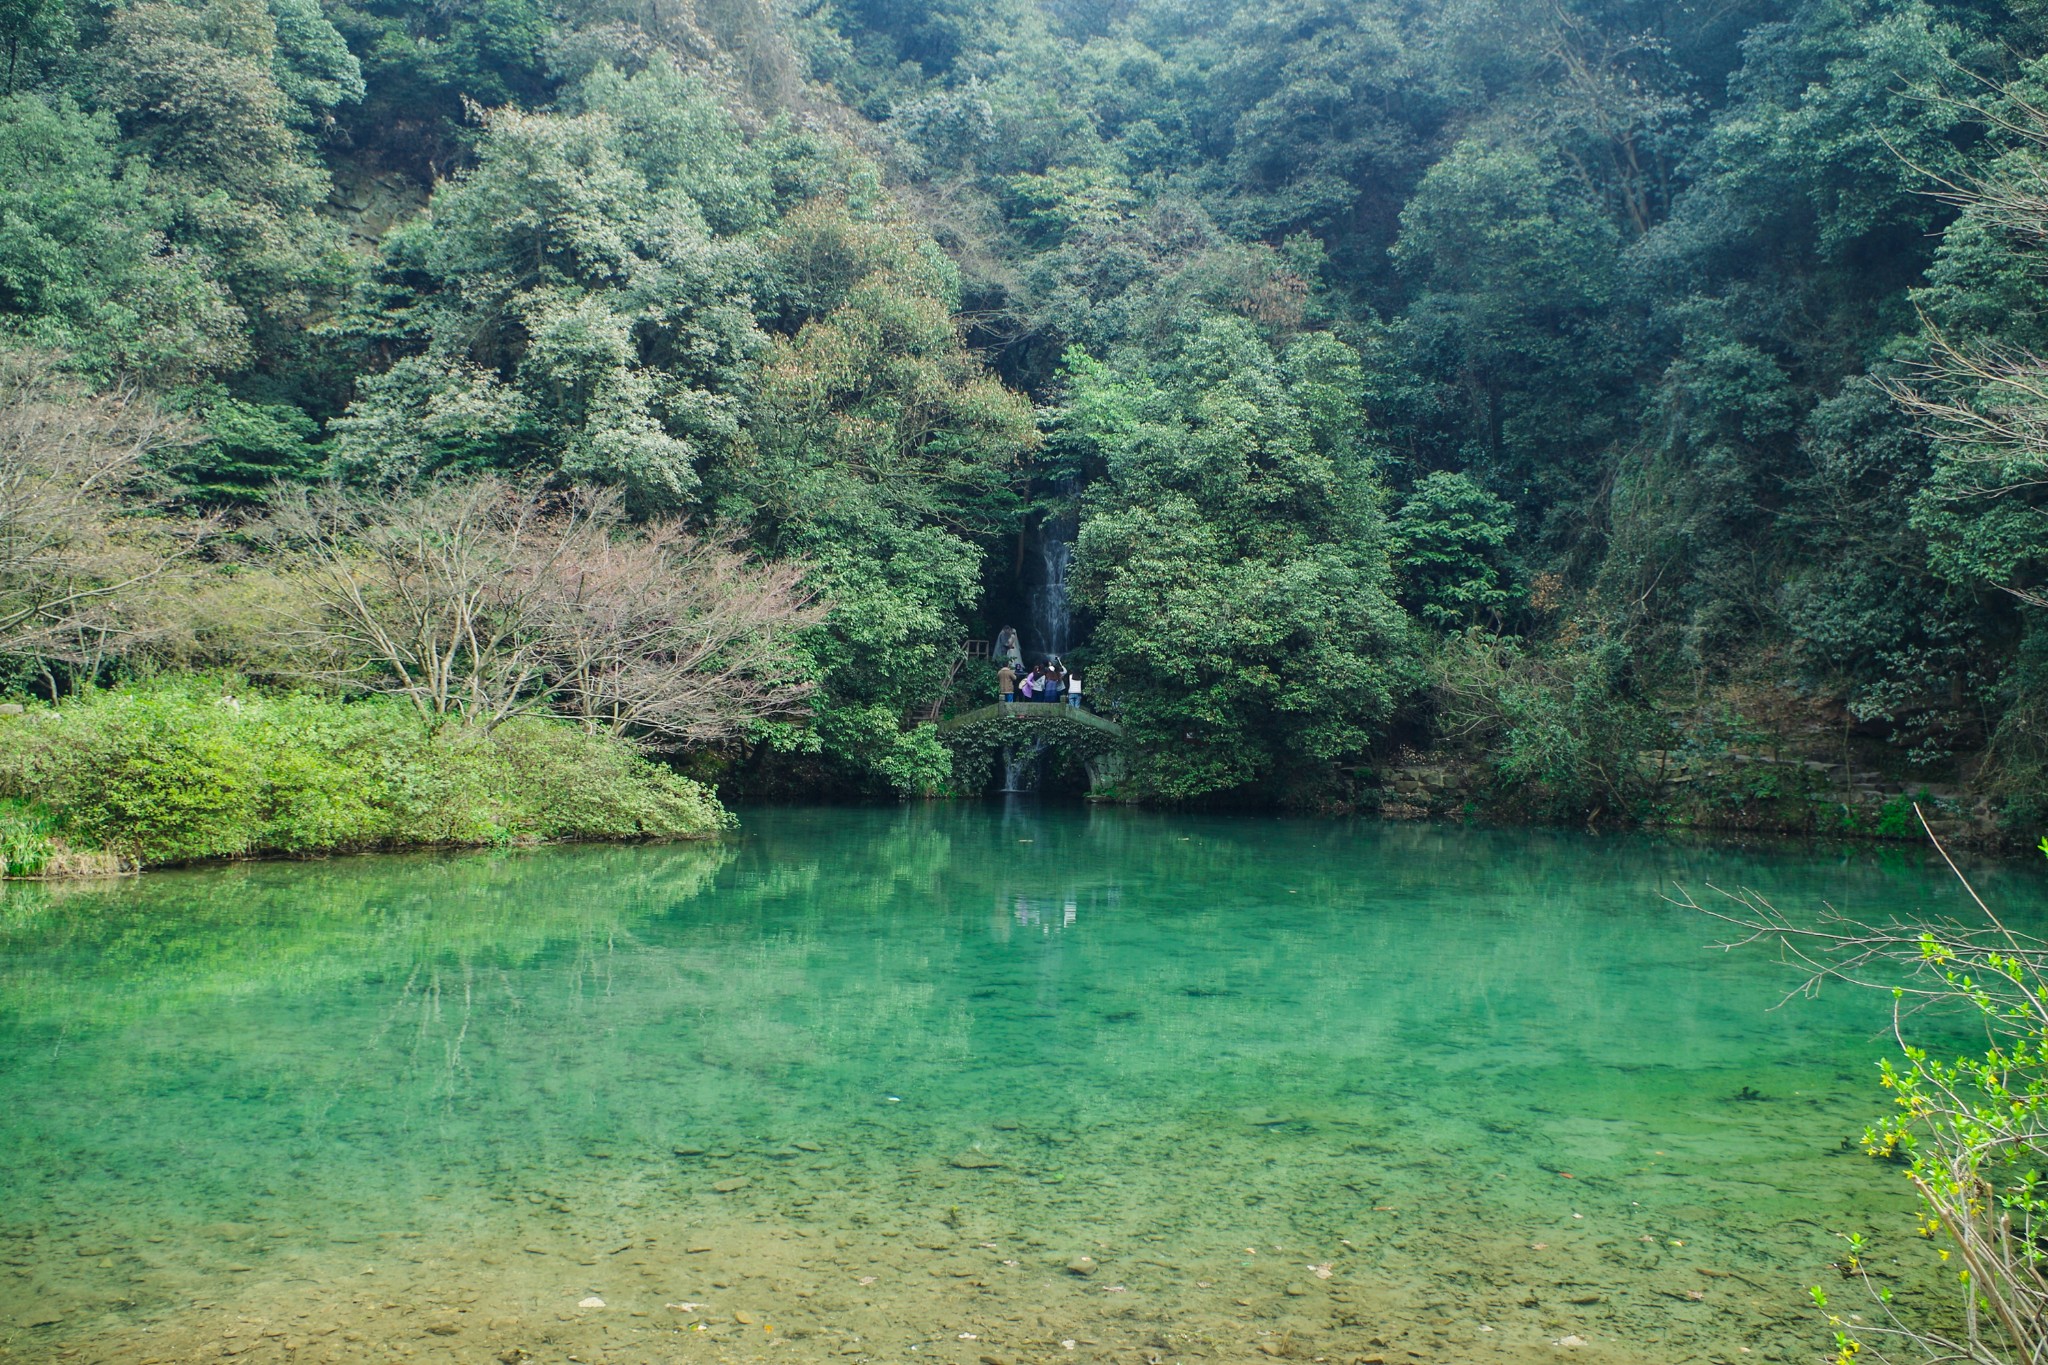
1583,387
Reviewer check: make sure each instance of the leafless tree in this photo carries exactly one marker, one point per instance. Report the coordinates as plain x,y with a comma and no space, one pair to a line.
80,533
481,601
1984,403
2013,196
1987,403
677,639
439,596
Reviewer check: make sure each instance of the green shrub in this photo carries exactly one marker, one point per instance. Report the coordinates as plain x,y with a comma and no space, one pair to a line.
182,770
1561,726
569,784
26,848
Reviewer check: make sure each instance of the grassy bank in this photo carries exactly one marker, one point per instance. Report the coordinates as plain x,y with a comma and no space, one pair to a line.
182,770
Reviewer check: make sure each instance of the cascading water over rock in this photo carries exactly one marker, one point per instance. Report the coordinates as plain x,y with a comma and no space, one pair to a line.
1051,608
1053,616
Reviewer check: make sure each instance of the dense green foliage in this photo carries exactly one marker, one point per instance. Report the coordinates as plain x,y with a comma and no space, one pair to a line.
1327,330
1621,277
1234,548
172,773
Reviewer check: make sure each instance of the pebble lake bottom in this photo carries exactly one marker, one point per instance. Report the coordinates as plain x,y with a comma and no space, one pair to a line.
947,1084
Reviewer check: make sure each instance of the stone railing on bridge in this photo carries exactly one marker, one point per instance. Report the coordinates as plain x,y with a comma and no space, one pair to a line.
1032,710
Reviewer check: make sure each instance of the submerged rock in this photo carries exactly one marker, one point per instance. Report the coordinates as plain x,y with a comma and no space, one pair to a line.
1082,1265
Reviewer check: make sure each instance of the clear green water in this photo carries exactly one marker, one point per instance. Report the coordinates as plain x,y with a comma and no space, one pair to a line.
422,1108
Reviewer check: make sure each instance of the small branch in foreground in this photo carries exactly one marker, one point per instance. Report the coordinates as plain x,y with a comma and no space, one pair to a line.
1973,1129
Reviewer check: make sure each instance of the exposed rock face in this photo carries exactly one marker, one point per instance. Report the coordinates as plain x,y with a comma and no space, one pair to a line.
370,202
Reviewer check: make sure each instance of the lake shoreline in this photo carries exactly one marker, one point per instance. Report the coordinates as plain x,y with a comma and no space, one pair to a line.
104,865
189,770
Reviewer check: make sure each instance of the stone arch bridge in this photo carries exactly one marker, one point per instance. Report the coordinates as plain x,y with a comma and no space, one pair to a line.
977,738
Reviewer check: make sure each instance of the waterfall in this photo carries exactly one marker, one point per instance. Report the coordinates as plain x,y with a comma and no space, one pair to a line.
1050,604
1020,769
1051,610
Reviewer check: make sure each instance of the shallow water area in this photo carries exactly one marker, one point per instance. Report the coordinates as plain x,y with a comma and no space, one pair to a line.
1023,1083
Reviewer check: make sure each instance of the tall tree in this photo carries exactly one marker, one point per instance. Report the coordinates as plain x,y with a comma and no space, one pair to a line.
1235,554
554,309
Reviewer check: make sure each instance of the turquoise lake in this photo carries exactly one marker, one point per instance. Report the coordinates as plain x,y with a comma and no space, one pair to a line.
1028,1084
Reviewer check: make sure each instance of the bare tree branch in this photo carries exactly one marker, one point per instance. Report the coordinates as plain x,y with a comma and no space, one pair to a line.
482,601
79,532
1974,1127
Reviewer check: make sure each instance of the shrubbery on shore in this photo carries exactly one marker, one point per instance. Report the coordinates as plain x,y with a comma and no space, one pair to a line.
181,770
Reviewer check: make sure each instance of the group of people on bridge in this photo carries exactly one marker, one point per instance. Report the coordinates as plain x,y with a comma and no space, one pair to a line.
1046,682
